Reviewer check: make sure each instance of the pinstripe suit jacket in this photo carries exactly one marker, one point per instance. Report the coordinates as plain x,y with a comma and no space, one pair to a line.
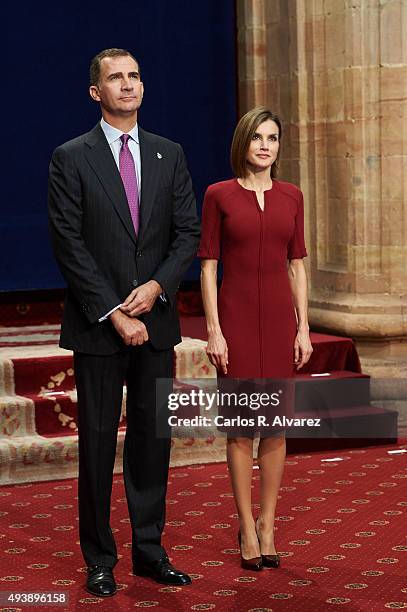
94,241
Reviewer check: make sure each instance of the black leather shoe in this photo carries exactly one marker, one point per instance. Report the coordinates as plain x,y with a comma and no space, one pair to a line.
268,560
254,564
101,581
161,571
271,561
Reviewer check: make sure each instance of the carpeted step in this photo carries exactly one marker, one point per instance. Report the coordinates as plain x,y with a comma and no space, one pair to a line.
350,422
50,373
36,369
56,414
30,335
326,391
32,458
315,445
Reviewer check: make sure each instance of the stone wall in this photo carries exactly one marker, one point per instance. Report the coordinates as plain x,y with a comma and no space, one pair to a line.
336,72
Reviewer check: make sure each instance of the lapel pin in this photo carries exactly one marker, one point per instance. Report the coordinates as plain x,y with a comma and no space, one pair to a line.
159,155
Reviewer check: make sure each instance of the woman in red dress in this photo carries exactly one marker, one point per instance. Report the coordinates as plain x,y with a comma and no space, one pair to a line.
257,326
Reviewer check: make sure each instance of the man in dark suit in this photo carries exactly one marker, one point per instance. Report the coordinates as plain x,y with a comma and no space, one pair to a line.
124,230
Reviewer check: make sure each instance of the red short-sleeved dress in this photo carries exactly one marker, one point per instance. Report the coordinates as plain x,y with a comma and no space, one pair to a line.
256,308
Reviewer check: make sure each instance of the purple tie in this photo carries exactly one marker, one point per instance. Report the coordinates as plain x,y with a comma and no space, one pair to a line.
128,174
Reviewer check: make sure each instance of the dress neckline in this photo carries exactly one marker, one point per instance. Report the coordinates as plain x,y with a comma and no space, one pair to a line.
254,194
252,190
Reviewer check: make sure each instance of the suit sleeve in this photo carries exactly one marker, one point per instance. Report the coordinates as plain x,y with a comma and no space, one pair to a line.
296,247
185,231
78,267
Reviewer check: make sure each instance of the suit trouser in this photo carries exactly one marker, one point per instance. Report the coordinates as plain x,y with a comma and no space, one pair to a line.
99,381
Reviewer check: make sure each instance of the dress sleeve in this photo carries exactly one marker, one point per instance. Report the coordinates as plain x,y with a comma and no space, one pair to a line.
209,247
296,247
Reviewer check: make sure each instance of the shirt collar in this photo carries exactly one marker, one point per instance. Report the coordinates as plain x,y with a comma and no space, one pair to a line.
112,134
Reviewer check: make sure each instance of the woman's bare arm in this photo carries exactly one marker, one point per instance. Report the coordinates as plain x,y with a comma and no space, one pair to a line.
298,282
217,349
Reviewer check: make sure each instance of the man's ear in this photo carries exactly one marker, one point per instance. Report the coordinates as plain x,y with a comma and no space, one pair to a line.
94,93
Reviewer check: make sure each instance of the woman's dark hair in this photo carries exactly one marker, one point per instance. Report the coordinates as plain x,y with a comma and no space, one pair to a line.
243,135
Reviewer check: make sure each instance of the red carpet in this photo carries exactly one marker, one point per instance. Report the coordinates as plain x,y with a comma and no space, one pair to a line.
341,532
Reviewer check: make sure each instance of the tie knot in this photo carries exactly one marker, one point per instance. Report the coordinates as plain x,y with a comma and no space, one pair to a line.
124,138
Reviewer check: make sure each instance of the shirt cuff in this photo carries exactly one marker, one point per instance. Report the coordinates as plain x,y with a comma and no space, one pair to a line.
109,313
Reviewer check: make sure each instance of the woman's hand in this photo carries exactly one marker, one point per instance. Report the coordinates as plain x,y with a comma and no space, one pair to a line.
217,351
302,348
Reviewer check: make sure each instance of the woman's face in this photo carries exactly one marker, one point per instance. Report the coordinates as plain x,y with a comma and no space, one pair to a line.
263,148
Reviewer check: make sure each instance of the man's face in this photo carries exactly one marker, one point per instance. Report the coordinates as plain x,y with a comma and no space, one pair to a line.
120,90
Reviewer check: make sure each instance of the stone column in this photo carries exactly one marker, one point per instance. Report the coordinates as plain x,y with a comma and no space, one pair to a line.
268,69
336,71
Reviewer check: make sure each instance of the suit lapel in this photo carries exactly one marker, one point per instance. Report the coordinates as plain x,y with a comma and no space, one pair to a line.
102,161
149,175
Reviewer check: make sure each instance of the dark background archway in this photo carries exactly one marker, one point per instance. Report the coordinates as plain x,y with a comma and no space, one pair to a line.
188,62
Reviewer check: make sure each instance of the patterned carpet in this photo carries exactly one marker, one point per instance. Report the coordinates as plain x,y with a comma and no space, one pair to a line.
341,533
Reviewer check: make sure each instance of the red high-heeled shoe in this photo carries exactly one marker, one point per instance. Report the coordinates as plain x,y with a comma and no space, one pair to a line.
254,564
268,560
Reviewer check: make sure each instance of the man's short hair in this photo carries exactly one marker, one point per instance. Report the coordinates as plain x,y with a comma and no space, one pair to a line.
94,70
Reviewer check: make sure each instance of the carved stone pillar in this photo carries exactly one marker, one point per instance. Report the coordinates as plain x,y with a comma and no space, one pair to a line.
336,72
